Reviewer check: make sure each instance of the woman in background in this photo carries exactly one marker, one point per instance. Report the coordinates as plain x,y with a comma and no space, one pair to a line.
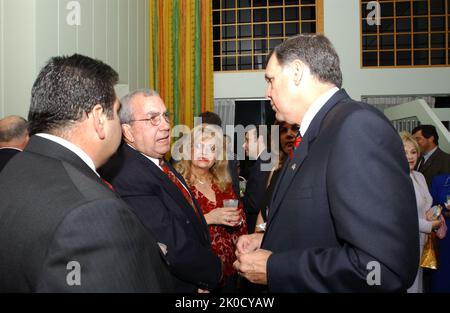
423,199
205,169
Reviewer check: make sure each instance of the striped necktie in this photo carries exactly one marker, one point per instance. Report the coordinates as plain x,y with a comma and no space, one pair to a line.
174,179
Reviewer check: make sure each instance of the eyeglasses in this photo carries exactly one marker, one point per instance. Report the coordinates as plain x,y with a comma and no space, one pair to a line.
155,118
202,146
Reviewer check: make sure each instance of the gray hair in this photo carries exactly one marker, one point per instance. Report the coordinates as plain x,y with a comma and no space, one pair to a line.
126,110
316,51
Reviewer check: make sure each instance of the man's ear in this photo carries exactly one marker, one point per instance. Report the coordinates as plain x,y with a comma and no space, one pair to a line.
99,119
127,133
297,67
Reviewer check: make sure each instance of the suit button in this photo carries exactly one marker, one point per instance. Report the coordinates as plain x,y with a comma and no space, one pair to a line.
188,222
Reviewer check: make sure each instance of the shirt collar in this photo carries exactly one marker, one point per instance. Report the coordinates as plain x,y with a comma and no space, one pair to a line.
427,155
155,161
12,148
315,108
75,149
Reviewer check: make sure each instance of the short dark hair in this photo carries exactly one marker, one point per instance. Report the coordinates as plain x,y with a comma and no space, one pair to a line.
67,88
15,129
427,132
211,118
316,51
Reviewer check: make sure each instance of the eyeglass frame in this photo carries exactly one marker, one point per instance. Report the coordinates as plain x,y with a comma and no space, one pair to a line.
167,117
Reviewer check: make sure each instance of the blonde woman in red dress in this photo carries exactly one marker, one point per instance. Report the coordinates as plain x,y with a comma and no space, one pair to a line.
205,169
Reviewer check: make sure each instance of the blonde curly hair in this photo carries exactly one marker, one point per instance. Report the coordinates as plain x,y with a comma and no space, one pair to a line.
219,171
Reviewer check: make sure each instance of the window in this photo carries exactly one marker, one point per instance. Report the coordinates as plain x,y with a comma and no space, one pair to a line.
244,31
411,33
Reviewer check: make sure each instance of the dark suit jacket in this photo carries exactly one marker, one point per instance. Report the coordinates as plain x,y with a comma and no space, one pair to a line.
343,201
54,209
233,168
255,192
438,163
5,155
163,209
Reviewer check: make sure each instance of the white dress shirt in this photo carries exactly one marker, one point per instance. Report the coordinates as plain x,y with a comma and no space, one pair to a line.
75,149
315,108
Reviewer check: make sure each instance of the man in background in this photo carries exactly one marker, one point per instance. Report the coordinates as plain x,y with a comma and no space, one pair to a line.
13,137
433,160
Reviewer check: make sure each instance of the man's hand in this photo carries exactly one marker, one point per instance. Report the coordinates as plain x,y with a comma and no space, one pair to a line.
253,266
248,243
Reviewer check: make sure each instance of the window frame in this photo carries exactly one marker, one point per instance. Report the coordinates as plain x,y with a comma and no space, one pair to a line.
411,32
265,40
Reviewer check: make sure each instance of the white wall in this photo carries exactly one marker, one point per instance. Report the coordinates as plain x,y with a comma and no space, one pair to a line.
343,28
32,31
17,55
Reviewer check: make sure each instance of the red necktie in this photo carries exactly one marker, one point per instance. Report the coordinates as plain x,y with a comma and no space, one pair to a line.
179,185
107,184
297,141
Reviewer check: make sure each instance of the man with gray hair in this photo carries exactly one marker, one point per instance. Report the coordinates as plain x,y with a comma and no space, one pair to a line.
13,137
343,215
159,195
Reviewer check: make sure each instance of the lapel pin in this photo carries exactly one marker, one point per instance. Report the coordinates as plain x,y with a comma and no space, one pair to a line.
294,167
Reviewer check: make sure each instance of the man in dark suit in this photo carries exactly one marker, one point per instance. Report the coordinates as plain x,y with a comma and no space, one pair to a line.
433,160
343,214
172,214
256,186
61,227
13,137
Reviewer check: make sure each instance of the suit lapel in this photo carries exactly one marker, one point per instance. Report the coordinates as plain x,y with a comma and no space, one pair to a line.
172,191
292,167
46,147
426,165
288,173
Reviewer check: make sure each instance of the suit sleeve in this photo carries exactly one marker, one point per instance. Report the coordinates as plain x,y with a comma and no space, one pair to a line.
102,247
373,207
255,189
188,258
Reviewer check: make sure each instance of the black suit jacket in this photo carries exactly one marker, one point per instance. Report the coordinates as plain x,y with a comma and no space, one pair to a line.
255,192
344,206
54,210
438,163
163,209
5,155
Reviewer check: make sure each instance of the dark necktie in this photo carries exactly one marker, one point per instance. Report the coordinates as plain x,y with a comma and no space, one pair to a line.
421,161
297,141
174,179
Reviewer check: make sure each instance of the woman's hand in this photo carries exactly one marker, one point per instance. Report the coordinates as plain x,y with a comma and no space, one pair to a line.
431,214
436,224
224,216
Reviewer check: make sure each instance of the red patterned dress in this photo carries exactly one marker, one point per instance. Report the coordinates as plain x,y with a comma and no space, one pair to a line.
223,238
